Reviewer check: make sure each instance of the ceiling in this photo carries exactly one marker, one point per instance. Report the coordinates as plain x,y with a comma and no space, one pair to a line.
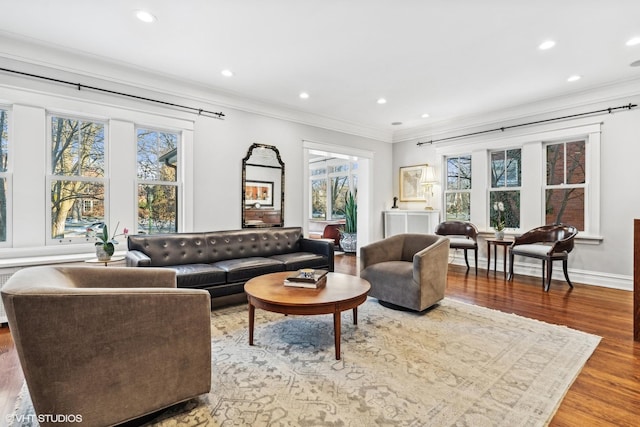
447,58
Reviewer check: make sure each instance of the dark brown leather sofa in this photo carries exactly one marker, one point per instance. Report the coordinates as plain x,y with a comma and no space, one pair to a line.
222,261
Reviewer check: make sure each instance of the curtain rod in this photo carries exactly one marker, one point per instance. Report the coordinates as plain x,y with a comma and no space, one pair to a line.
200,111
502,129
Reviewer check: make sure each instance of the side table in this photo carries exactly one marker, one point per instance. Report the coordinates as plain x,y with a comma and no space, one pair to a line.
107,262
495,243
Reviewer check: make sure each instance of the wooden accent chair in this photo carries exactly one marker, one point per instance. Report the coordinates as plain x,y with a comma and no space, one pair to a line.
109,344
462,235
551,242
406,270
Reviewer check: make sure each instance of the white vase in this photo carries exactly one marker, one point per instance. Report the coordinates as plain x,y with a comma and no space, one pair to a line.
102,254
500,235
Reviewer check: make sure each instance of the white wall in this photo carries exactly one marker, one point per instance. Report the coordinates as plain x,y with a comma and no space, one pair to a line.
608,262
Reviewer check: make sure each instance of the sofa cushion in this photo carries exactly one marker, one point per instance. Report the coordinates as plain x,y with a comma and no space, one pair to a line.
298,260
236,244
198,275
171,249
243,269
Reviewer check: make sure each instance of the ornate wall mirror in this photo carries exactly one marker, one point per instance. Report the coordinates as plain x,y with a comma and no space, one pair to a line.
262,187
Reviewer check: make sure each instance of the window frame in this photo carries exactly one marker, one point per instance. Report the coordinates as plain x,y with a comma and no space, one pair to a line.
456,191
331,163
8,177
504,188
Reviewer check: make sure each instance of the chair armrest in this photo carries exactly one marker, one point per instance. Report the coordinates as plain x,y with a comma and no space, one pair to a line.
428,263
137,259
389,249
319,247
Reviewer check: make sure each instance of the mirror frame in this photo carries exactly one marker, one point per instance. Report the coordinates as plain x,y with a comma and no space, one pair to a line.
245,163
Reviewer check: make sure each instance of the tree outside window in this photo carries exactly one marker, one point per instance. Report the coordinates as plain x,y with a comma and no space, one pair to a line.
458,188
506,170
4,158
330,180
157,181
566,183
77,177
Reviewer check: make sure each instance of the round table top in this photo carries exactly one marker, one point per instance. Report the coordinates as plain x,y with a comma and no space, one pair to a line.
270,288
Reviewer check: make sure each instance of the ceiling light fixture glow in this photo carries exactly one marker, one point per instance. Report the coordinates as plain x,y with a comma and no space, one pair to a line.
227,73
304,95
633,41
574,78
145,16
381,101
548,44
425,115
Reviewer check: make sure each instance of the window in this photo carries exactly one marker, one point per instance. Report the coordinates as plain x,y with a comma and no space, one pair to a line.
158,163
77,178
566,183
458,188
4,174
331,179
506,167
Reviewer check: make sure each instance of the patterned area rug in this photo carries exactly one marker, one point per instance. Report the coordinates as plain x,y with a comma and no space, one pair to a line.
456,364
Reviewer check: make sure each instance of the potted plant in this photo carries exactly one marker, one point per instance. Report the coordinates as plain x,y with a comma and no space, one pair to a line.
348,233
105,246
500,223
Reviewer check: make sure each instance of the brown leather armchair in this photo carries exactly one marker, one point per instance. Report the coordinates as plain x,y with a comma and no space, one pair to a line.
551,242
462,235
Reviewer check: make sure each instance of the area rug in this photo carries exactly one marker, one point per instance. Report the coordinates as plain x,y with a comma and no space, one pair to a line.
454,365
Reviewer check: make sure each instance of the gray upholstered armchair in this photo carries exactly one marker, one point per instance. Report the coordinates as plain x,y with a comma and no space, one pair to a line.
109,344
407,270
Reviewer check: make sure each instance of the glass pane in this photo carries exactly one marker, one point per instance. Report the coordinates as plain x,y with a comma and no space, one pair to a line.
77,148
339,189
555,164
452,174
508,207
157,155
465,172
458,206
157,208
319,198
498,177
3,209
76,206
514,168
566,206
576,162
4,141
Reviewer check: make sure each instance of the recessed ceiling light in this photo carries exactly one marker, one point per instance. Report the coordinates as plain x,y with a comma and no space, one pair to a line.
145,16
574,78
396,123
304,95
425,115
227,73
634,41
548,44
381,101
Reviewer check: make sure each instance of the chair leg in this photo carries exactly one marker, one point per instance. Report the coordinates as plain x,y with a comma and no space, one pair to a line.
544,266
566,273
475,254
510,265
466,260
549,273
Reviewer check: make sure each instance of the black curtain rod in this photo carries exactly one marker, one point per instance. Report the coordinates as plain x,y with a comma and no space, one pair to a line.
80,86
502,129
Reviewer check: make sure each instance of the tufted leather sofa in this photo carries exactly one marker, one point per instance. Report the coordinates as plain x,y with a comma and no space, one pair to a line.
222,261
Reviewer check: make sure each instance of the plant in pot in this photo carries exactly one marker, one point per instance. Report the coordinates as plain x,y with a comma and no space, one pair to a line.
348,233
105,246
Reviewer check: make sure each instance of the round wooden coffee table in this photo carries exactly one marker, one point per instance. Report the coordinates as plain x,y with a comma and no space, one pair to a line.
341,292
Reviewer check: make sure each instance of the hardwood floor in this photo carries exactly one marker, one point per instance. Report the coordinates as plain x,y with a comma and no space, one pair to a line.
605,393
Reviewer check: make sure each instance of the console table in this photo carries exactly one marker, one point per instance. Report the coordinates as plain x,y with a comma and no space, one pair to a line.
398,221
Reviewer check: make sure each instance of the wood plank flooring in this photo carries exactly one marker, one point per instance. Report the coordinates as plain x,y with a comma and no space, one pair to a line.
605,393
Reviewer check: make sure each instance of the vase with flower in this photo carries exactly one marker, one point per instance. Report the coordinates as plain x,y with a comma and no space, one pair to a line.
105,245
500,223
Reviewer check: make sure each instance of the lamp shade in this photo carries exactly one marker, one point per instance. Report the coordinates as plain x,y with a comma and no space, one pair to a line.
429,176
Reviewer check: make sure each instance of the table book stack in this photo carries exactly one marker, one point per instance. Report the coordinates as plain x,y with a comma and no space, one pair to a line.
307,278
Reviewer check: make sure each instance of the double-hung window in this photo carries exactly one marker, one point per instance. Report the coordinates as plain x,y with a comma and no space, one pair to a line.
458,188
564,195
158,157
77,181
330,180
504,193
5,176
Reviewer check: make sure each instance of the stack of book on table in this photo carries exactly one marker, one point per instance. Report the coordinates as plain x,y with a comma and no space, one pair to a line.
307,278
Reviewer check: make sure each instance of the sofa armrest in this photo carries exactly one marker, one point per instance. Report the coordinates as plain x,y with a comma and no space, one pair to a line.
389,249
137,259
121,277
319,247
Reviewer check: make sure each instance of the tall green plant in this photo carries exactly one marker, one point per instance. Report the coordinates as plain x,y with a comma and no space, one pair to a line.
350,213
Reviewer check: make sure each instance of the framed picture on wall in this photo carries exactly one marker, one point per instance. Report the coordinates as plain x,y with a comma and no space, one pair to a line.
258,192
410,188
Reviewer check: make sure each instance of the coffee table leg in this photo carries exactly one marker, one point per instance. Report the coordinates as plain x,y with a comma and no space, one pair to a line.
355,315
252,312
336,332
